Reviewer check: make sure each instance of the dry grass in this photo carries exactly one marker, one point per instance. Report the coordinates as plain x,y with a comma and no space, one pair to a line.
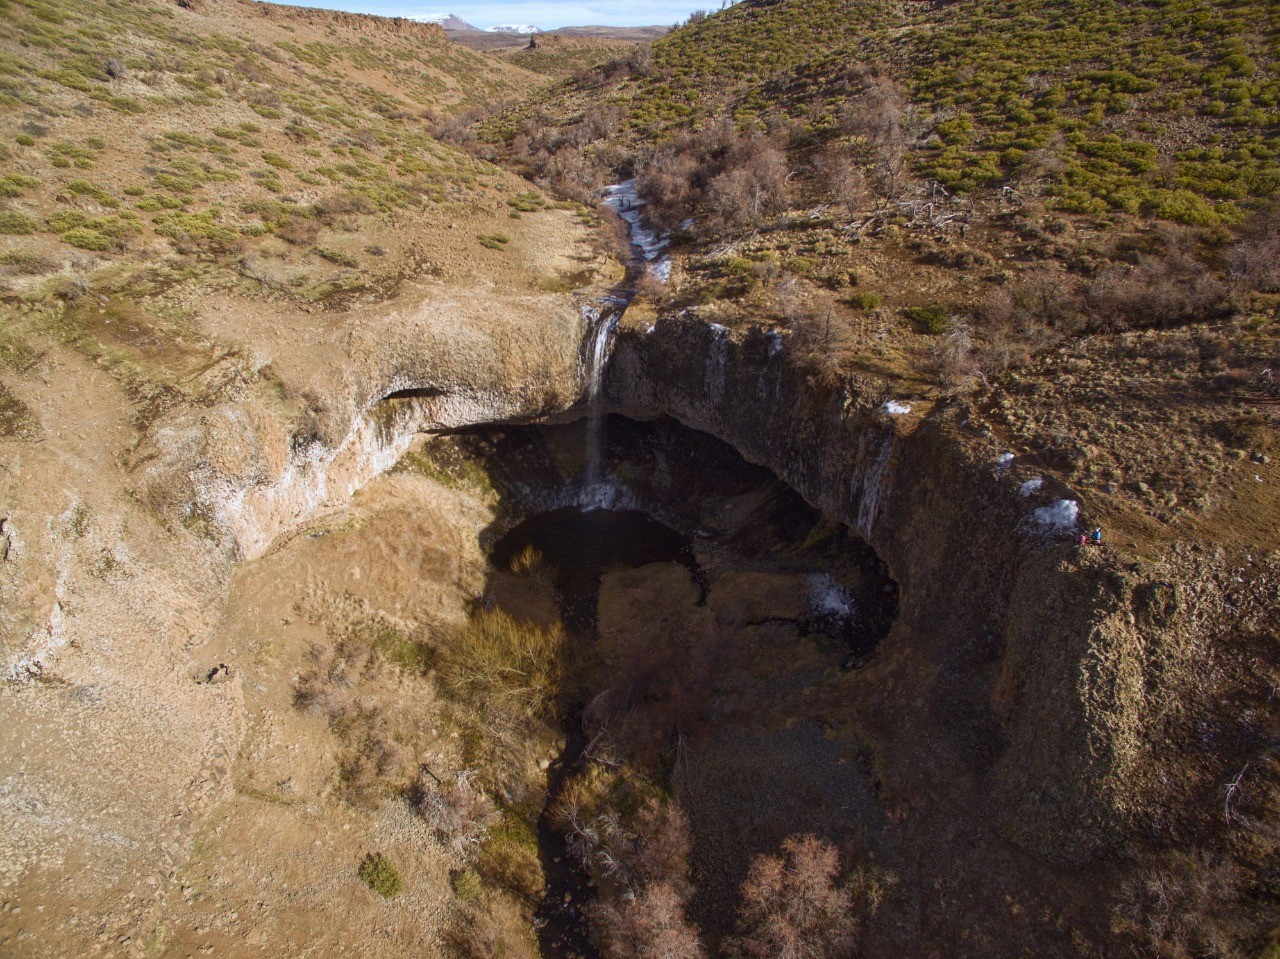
506,664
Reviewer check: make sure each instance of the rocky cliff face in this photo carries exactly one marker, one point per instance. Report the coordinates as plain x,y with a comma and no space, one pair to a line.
1014,677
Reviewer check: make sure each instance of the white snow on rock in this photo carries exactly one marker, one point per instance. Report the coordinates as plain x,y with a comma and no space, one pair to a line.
1004,459
1061,515
896,408
1031,486
514,28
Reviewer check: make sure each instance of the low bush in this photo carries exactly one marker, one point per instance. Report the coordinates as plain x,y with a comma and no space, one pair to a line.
84,238
337,257
16,224
378,873
930,319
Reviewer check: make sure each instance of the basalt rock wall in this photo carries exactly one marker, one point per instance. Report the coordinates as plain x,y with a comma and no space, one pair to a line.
1013,675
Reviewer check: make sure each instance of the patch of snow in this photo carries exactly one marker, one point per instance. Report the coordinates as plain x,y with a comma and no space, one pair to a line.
896,408
1062,515
1031,486
1004,459
776,346
525,28
686,224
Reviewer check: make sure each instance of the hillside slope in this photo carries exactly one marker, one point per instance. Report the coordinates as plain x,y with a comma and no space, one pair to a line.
226,233
1168,108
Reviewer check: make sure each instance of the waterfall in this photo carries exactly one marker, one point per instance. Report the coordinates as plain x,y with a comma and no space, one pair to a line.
601,321
870,481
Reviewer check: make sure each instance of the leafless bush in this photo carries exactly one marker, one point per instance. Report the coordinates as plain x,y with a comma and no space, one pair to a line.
374,761
668,183
877,116
457,810
652,287
651,925
754,187
795,907
1186,907
836,170
1254,260
955,355
299,231
333,210
1169,286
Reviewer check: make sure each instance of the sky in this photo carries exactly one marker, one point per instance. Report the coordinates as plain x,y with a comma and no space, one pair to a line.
484,14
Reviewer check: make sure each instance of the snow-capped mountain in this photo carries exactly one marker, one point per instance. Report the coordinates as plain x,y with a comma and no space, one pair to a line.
515,28
449,21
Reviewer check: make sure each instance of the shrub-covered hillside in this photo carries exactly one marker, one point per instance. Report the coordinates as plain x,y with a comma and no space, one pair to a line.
1164,107
218,127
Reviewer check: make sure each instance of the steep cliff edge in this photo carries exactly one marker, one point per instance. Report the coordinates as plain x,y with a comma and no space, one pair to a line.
1046,683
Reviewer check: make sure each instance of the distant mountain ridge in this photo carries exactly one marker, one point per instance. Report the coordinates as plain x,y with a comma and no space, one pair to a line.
521,28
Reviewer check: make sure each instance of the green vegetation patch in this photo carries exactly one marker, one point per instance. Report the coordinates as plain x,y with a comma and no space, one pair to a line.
16,224
378,873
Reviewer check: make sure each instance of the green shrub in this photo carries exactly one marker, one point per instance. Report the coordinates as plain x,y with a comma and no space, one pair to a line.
338,257
864,300
277,161
199,230
377,872
930,319
84,238
65,220
15,224
24,139
527,202
85,188
468,886
15,184
494,241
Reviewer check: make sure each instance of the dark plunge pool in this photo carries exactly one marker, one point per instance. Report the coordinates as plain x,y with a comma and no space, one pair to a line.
581,545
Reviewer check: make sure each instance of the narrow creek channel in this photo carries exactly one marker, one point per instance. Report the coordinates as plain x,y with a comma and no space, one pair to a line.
582,545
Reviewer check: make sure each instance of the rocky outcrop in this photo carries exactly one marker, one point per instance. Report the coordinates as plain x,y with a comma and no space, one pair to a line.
253,477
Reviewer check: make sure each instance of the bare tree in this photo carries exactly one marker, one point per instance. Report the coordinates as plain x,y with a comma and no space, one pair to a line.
650,926
794,906
754,186
1255,258
876,115
836,169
